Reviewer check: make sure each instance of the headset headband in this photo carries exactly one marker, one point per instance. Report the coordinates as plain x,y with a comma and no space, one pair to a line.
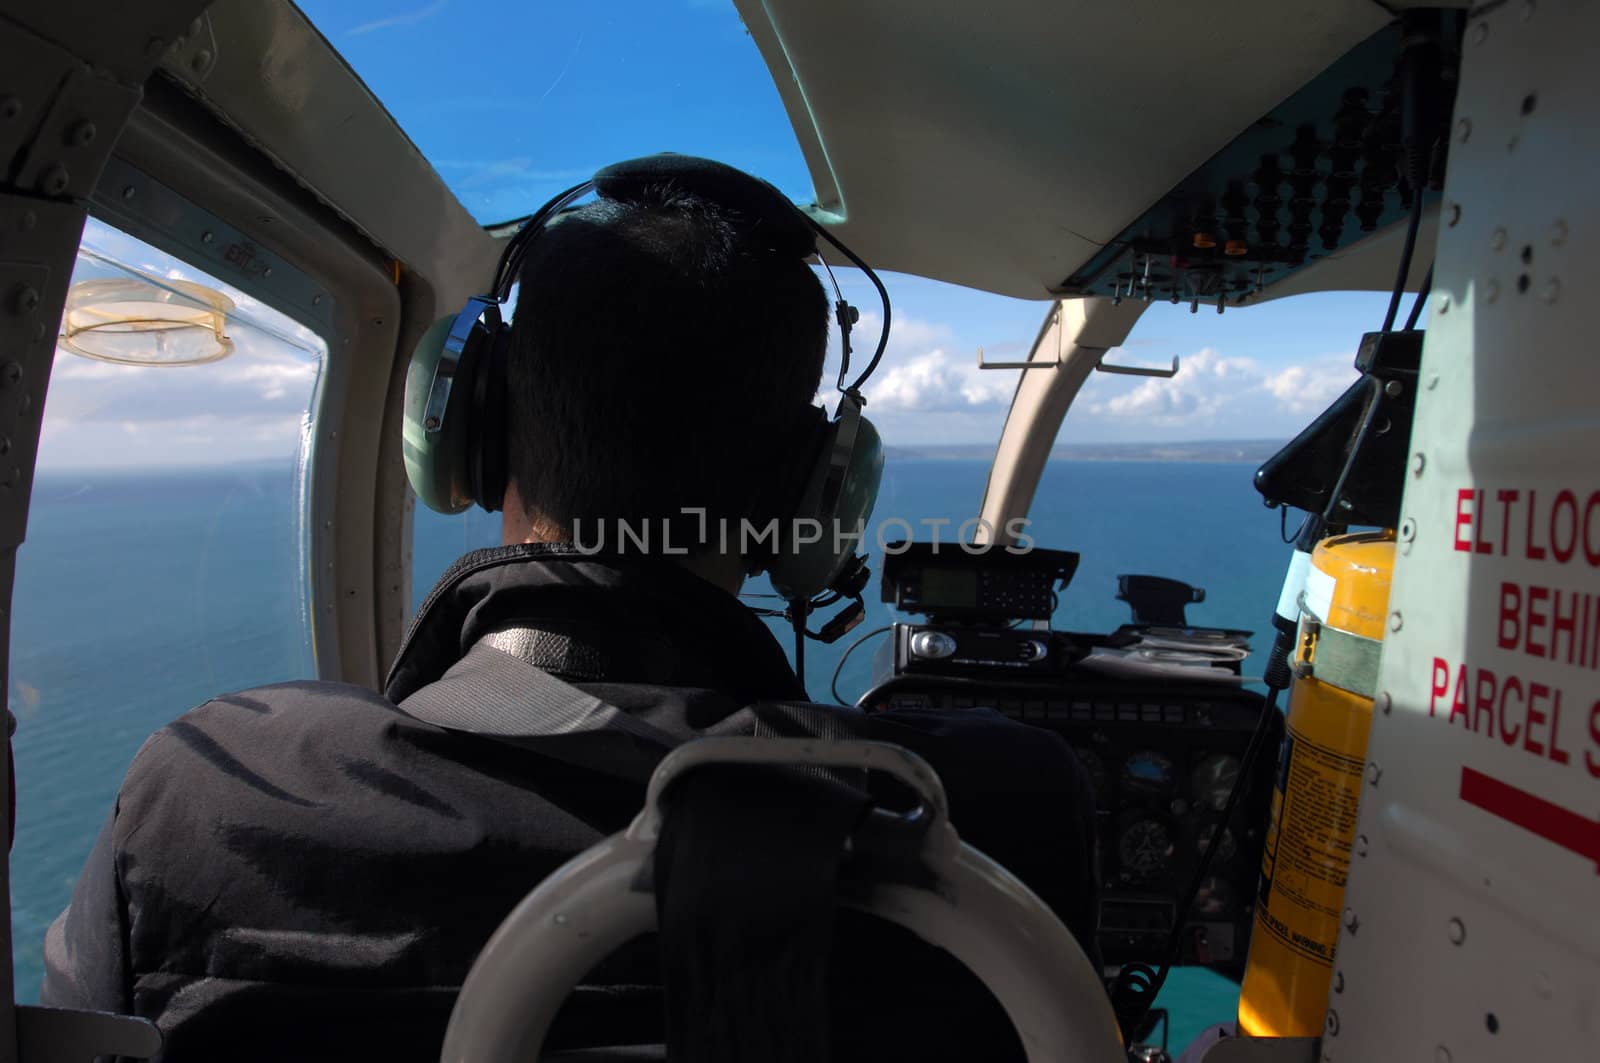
768,214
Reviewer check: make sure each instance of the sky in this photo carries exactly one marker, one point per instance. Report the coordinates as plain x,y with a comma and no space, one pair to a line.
513,101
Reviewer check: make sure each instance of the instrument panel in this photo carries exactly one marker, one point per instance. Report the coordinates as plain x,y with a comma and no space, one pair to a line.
1162,761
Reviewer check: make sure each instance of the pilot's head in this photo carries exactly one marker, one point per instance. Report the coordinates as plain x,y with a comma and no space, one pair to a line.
662,358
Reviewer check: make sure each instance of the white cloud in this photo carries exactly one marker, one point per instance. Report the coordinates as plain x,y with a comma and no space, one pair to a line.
1206,382
1311,387
934,382
929,389
922,370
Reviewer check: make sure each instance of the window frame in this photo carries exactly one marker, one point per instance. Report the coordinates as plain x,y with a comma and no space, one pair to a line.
171,182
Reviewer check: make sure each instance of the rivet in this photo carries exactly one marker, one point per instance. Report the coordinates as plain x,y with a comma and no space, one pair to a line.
1385,702
1551,291
1444,304
10,107
1433,381
1464,130
54,181
29,220
1480,33
1458,931
1418,463
12,476
1491,291
25,300
1396,622
560,919
1441,1054
194,28
1351,923
81,134
154,47
1393,389
1374,772
206,237
1361,845
1333,1023
201,60
316,300
1558,233
1497,239
10,375
5,445
431,424
1338,981
267,272
1455,214
1408,530
128,191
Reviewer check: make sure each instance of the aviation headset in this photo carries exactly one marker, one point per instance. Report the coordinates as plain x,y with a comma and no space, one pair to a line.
455,407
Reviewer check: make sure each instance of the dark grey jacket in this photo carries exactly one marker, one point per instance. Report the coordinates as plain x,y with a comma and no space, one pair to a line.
304,872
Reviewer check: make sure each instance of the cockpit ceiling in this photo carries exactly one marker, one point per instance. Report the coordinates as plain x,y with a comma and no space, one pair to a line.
1001,144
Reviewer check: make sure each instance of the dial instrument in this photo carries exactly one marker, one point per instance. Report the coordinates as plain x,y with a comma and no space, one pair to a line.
1145,848
1213,780
1148,769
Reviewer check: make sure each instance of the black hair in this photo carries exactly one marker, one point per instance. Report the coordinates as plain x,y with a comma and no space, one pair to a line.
661,358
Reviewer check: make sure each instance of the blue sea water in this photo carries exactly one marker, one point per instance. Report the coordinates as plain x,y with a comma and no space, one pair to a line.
140,595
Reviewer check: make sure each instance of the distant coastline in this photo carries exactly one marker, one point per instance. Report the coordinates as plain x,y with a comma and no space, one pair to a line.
1241,450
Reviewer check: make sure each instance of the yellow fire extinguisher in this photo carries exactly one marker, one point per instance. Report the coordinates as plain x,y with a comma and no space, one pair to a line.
1318,789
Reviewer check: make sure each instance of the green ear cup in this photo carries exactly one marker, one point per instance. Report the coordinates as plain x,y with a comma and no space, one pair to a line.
839,497
436,459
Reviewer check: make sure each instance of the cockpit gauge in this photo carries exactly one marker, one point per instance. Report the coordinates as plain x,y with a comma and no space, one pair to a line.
1213,780
1148,769
1225,851
1145,848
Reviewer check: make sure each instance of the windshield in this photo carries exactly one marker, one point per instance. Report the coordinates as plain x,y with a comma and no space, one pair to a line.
512,102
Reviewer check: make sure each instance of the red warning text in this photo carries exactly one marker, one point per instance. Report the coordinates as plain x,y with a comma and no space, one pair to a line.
1517,712
1552,623
1562,527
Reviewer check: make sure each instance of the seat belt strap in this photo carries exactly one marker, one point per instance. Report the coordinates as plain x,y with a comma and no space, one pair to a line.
496,692
495,695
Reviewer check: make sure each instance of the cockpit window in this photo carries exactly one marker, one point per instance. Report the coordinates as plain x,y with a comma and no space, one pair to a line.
512,102
165,558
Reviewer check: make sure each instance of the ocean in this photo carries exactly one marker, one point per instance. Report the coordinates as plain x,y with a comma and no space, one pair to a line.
140,595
